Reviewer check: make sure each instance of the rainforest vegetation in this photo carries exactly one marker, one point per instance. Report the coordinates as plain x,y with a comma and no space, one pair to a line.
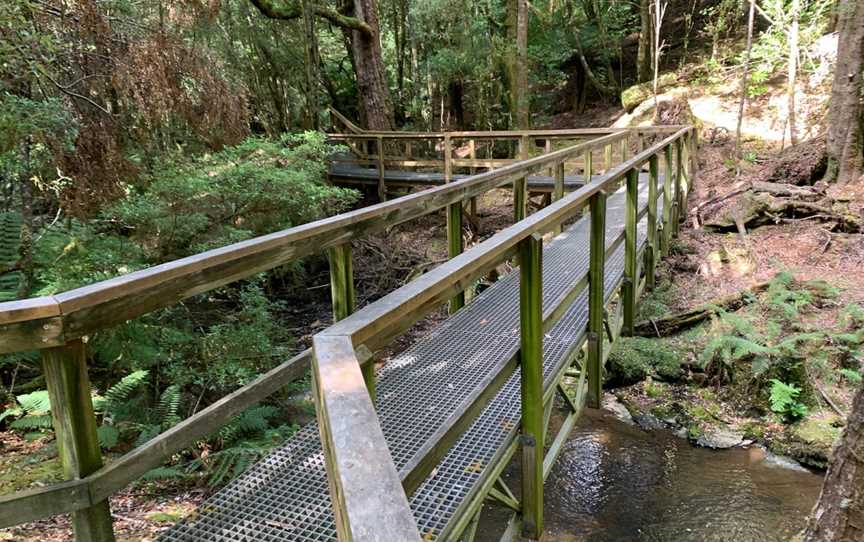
134,133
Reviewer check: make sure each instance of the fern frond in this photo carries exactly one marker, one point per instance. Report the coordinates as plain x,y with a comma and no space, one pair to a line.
120,392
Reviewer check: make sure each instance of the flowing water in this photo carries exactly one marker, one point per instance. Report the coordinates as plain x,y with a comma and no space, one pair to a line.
614,481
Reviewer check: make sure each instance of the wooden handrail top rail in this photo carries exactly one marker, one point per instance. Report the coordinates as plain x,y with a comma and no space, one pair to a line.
501,134
54,320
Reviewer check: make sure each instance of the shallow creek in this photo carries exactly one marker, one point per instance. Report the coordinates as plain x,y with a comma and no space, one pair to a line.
614,481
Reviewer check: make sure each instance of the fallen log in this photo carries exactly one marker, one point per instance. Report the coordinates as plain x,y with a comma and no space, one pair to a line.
675,323
788,190
758,209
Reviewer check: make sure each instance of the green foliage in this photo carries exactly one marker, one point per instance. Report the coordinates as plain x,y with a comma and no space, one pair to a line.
784,400
852,376
254,188
10,242
32,412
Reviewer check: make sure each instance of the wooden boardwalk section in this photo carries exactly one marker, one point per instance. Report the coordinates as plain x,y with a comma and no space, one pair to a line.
411,451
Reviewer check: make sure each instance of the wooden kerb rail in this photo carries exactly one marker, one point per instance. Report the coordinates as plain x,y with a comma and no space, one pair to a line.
369,495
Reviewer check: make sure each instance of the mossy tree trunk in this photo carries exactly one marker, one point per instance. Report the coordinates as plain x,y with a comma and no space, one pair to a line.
839,513
516,63
846,113
644,62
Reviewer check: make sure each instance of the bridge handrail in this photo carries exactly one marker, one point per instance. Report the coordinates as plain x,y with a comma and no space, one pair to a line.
369,495
57,324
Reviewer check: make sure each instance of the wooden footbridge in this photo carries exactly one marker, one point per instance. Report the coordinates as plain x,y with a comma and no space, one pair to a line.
413,450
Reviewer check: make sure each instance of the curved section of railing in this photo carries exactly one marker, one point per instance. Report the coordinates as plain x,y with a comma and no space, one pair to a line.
58,325
363,482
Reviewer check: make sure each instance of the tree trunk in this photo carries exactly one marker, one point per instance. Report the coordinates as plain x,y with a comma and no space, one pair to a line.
643,55
376,108
839,513
793,72
310,50
846,113
516,63
745,83
25,251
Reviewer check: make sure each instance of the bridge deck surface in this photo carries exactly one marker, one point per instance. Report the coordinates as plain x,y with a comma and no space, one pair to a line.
285,496
349,173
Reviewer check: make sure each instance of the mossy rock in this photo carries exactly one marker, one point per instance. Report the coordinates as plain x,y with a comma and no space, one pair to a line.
633,96
635,358
810,441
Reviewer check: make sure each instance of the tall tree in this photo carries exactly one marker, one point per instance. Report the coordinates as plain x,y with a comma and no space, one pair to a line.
359,20
644,65
839,513
745,84
846,112
793,71
517,63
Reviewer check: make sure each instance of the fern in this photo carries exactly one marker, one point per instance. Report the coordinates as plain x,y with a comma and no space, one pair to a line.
122,390
168,407
251,421
33,412
784,400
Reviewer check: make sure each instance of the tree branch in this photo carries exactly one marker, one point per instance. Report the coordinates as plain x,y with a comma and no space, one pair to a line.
288,9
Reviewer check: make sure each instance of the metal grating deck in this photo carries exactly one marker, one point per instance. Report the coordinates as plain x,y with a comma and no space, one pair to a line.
285,496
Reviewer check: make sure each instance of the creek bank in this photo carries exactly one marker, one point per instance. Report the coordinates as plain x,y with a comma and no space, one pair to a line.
701,416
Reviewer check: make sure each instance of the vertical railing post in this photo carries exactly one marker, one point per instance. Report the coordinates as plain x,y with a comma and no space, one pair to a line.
668,174
520,185
344,299
382,187
472,205
454,222
558,189
625,147
531,359
679,172
596,298
651,248
587,166
68,385
684,168
631,272
607,156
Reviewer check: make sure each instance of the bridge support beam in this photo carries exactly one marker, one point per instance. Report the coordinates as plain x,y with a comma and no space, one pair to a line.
454,246
531,357
629,288
520,186
68,385
596,302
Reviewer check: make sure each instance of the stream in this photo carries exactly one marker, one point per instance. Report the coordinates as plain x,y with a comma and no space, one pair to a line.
614,481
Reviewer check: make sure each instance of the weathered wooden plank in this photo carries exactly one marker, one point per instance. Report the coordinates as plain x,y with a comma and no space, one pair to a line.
596,299
369,502
651,249
669,174
454,247
631,272
532,438
65,369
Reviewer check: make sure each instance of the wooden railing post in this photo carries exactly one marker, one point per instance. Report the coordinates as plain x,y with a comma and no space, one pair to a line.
596,299
587,166
684,157
668,174
679,173
344,299
625,147
472,205
651,248
75,430
607,156
558,189
382,187
520,186
454,221
631,271
454,246
531,358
